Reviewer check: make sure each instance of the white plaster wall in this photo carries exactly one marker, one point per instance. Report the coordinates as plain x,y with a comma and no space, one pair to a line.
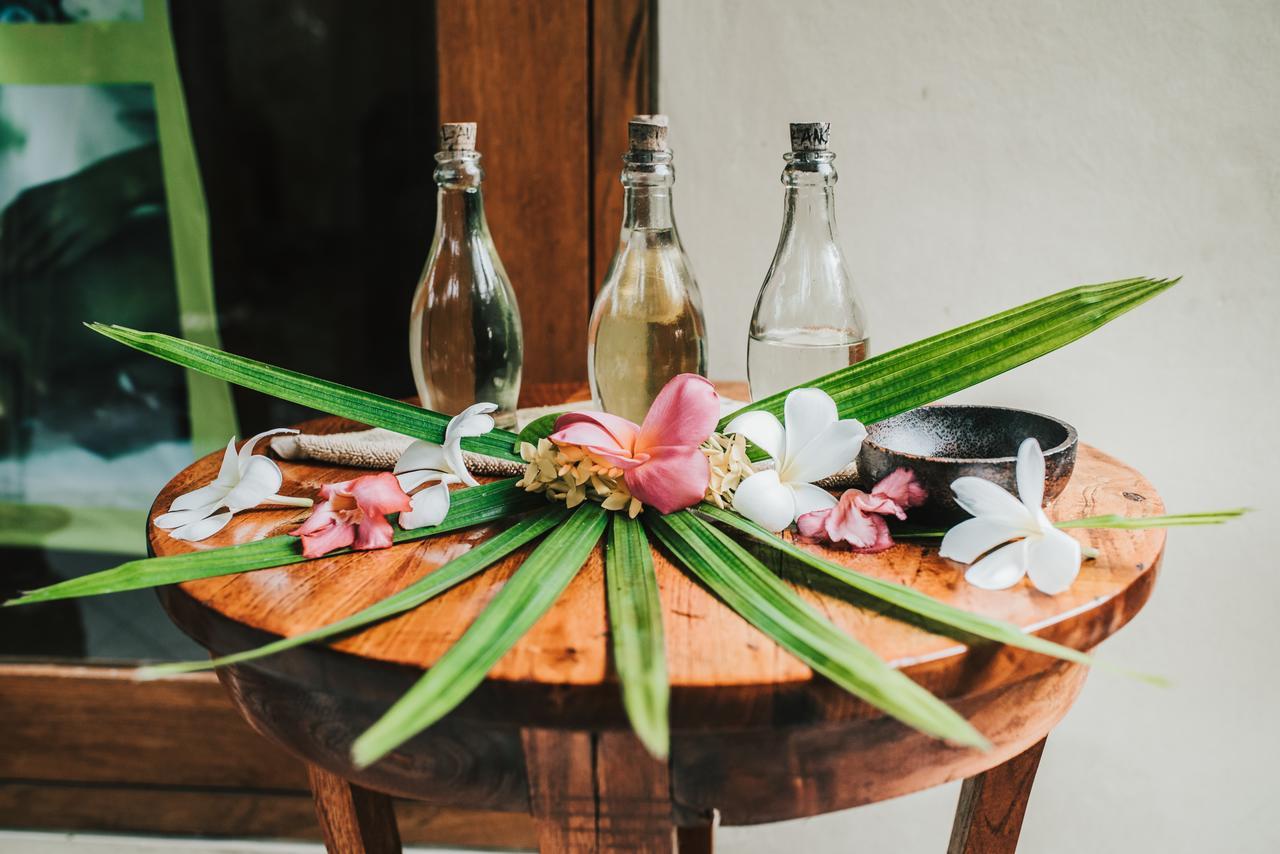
991,153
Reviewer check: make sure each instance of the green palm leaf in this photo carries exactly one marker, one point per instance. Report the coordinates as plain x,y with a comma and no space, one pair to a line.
526,596
334,398
635,623
468,507
935,367
900,595
1109,521
749,588
447,576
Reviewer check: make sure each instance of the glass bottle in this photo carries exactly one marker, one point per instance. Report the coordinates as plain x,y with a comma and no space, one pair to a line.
807,320
647,324
465,340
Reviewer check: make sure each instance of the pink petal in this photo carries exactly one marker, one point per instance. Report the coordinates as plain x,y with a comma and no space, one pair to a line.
847,523
883,539
322,515
330,491
378,494
596,428
684,413
374,532
900,487
673,478
813,526
328,533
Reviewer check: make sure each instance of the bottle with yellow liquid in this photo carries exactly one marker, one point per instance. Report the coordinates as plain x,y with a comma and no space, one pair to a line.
647,324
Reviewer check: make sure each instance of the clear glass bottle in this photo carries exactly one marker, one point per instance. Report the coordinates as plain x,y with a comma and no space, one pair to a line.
647,324
465,340
807,320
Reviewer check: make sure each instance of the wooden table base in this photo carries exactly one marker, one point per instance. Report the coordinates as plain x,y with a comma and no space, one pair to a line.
603,794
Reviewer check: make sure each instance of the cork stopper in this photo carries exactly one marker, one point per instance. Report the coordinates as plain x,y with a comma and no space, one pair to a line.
810,136
647,133
458,136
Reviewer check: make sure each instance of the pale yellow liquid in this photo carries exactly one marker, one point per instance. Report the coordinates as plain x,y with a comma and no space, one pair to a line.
646,327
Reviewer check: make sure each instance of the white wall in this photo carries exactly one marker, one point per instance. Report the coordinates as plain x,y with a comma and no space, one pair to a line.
991,153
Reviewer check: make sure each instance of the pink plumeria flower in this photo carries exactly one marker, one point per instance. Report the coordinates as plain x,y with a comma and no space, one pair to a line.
661,459
816,443
426,462
353,513
1049,556
244,480
858,519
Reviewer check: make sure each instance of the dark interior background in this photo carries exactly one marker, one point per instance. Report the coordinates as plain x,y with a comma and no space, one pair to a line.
315,128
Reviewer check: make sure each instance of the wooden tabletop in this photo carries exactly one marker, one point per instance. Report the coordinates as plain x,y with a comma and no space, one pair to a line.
723,672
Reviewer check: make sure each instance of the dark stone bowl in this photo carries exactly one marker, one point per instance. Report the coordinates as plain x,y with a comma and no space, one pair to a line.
942,443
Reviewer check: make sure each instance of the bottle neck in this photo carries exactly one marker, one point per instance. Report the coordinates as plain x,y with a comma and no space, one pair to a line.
459,201
810,179
647,177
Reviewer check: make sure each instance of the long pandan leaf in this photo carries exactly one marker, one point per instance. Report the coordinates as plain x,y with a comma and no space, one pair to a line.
526,596
1109,521
334,398
933,368
900,595
635,622
468,507
761,598
445,577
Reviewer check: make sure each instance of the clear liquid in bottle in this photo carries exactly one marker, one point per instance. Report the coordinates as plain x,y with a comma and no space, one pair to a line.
808,320
647,324
775,358
465,339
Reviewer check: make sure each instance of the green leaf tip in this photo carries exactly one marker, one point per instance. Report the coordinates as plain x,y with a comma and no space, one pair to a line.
530,591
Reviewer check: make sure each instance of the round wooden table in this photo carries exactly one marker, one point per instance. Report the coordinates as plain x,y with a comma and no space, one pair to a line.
756,736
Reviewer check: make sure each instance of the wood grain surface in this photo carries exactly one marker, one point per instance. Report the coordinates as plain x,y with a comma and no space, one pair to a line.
814,748
708,645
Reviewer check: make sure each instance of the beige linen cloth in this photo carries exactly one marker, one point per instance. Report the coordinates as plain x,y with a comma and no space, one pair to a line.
380,449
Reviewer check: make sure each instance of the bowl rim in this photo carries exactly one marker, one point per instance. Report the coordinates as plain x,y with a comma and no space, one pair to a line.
1071,439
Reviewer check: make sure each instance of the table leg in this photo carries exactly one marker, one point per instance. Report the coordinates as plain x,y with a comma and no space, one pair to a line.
597,792
354,820
992,804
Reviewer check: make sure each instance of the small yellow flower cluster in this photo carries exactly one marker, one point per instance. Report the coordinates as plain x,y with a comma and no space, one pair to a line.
730,465
570,474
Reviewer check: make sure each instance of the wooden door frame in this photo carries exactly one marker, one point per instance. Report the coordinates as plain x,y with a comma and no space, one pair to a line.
84,746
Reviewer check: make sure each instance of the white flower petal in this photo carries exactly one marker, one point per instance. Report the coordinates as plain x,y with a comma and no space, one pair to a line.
1053,561
229,471
764,430
210,495
983,498
1030,475
809,498
472,421
976,536
178,518
202,529
809,411
827,453
246,450
411,480
428,507
455,464
422,455
1001,569
765,500
260,479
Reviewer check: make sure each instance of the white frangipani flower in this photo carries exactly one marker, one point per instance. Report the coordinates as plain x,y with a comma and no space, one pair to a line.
244,480
1051,557
815,444
425,462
